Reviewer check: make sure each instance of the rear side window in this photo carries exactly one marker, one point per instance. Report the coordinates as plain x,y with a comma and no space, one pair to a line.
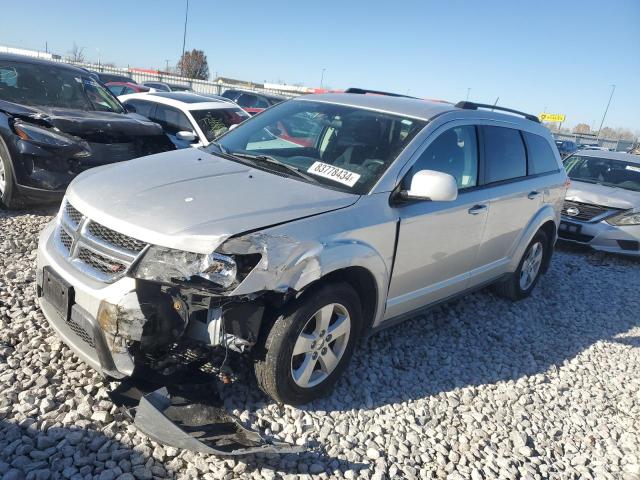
115,89
540,156
505,157
247,101
455,152
172,120
142,108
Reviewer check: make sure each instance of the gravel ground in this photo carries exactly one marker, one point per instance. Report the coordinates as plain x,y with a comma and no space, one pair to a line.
481,388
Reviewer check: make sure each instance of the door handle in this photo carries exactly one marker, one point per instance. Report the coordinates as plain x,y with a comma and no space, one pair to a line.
533,195
476,209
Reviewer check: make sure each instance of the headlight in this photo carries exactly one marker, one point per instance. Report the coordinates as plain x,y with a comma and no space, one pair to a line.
627,218
43,136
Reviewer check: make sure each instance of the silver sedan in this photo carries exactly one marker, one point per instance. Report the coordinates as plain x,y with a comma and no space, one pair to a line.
602,207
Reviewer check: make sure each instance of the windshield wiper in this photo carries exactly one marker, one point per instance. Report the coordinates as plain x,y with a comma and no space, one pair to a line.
269,159
220,147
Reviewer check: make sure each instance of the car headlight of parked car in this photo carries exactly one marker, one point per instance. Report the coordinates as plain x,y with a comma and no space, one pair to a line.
626,218
164,265
41,135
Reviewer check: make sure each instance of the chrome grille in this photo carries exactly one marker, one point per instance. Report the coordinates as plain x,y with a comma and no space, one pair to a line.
114,238
587,211
92,248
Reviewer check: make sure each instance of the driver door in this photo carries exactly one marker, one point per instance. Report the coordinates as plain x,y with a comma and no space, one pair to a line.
438,242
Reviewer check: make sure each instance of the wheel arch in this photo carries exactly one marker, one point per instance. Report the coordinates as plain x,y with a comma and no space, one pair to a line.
546,220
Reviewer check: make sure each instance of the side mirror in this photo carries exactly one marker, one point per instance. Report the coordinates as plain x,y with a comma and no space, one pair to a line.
130,108
186,136
232,127
431,185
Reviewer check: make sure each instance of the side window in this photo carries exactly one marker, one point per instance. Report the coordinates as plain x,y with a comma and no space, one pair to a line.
261,103
142,108
455,152
115,89
172,120
247,101
540,155
127,90
504,154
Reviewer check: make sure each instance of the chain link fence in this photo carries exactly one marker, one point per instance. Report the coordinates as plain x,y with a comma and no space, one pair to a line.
608,143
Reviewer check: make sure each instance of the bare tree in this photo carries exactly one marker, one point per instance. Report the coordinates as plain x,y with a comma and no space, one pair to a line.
77,54
582,128
194,64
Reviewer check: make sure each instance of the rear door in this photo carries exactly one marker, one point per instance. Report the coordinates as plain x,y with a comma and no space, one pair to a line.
438,242
514,198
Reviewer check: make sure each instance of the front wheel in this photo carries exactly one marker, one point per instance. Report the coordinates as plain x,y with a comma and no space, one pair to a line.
521,283
8,195
310,345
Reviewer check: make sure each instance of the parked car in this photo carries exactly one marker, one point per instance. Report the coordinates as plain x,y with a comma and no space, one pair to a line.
290,253
602,208
167,87
111,77
566,147
188,119
125,88
57,121
253,102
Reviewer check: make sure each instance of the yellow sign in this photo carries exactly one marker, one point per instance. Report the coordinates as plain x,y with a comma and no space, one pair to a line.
552,117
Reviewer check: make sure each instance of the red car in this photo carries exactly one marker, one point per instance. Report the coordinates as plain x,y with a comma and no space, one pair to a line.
124,88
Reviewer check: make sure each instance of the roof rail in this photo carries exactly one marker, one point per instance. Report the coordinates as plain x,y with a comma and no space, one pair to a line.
363,91
475,106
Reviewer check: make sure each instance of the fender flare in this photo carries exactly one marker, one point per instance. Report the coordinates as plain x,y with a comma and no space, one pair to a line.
544,215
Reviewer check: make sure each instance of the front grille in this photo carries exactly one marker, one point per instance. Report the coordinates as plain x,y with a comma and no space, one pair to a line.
99,262
586,211
577,237
74,217
114,238
94,249
85,336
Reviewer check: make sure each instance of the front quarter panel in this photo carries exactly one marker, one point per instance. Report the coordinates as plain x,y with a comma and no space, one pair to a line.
300,253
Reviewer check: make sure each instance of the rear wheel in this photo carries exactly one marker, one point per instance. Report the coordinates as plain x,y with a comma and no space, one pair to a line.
310,345
8,194
521,283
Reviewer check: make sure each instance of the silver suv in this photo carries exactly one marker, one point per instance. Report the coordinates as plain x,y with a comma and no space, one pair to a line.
316,222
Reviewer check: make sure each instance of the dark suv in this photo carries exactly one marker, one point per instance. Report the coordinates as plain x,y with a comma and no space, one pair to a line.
57,121
253,102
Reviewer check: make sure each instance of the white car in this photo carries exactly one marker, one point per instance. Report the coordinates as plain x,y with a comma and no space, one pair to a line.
190,120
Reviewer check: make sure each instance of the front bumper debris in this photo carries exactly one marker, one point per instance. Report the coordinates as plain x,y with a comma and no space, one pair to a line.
190,416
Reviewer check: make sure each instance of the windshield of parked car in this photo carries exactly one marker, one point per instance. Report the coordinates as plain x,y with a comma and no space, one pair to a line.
215,122
51,86
338,146
604,171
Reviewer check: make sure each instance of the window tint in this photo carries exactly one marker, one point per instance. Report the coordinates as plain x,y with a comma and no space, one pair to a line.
115,89
504,152
539,154
142,108
454,152
172,120
127,90
261,103
247,101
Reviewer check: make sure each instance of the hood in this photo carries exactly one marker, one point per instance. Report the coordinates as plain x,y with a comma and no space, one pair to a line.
82,122
191,200
603,195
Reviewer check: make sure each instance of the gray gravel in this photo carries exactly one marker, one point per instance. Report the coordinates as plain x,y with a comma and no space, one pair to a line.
481,388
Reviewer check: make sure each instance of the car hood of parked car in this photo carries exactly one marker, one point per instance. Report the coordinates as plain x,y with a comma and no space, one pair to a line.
191,200
82,122
597,194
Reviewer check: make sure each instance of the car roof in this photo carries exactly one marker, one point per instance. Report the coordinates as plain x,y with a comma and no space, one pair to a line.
262,94
625,157
183,100
12,57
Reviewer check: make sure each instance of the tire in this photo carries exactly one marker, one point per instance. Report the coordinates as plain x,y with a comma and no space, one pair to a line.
514,288
281,374
8,194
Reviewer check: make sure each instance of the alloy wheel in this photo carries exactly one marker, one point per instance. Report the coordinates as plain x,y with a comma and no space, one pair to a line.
531,265
321,345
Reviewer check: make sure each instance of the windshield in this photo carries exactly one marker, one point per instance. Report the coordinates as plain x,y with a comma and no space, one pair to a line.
612,173
50,86
342,147
215,122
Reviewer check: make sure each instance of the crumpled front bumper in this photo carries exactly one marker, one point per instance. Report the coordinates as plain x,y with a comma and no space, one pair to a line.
601,236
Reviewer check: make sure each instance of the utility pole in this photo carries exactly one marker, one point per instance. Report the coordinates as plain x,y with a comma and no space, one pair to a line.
166,66
184,36
613,89
468,92
322,77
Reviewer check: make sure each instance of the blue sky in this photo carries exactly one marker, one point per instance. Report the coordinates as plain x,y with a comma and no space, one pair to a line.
562,55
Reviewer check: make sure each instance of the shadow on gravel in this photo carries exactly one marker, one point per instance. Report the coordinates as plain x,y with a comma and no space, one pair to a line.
26,452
